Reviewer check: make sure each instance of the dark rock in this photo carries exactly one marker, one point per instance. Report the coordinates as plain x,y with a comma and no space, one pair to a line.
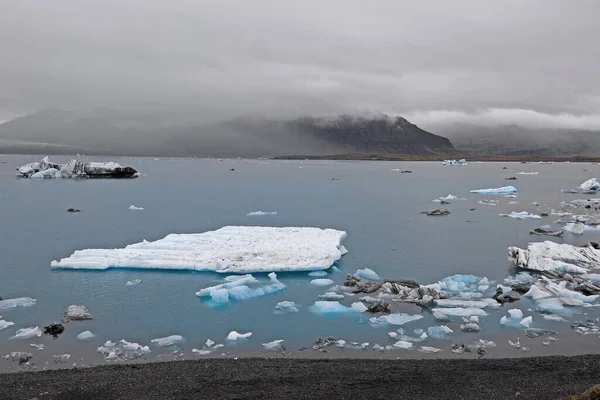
439,211
406,172
542,231
512,178
520,288
380,306
54,329
587,288
544,214
471,209
361,285
504,168
595,245
73,210
502,298
232,169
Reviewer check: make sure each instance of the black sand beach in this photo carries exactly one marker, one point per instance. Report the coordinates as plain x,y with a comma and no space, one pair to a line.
523,378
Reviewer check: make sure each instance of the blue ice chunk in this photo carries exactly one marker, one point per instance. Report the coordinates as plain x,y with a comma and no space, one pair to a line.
496,191
367,274
330,308
439,332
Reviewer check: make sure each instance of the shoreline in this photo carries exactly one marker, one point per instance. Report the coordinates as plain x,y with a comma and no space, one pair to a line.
551,377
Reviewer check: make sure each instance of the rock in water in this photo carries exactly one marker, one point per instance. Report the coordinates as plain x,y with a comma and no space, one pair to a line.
54,329
73,210
77,313
438,211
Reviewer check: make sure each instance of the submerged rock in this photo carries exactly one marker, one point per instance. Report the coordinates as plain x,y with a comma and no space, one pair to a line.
436,212
73,210
54,329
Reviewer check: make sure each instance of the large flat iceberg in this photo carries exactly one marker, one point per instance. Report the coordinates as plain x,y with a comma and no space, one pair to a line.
232,249
550,256
46,169
496,191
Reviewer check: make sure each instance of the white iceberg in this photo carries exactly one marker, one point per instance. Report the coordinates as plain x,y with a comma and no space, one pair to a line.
439,332
317,274
576,228
230,249
521,215
402,344
395,319
461,311
448,199
367,274
590,184
526,322
496,191
284,307
275,345
27,333
16,302
330,308
135,208
50,173
261,213
322,282
550,256
167,341
238,290
560,291
85,335
527,173
429,350
359,307
5,324
233,336
536,293
514,315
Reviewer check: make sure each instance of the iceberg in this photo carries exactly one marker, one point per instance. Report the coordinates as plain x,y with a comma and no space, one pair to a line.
359,307
330,308
238,290
463,286
321,282
439,332
77,313
576,228
231,249
536,293
16,302
402,344
487,202
331,296
285,307
27,333
550,256
135,208
552,305
461,311
233,336
167,341
521,215
367,274
447,199
395,319
497,191
260,213
46,169
133,282
590,184
85,335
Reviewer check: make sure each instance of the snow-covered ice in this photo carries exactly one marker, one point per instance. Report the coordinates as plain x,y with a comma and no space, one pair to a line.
550,256
233,336
167,341
496,191
521,215
231,249
322,282
367,274
16,302
85,335
27,333
284,307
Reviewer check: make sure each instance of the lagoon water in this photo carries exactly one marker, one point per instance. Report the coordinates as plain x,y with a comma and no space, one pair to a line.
378,208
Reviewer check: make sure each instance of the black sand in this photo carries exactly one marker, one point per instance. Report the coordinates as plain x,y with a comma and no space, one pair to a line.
523,378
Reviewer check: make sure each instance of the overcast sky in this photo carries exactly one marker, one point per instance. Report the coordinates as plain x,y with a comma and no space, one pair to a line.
525,61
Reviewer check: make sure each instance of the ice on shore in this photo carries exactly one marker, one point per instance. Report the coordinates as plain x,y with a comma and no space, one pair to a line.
232,249
367,274
167,341
461,311
550,256
16,302
322,282
521,215
85,335
234,336
239,290
590,184
27,333
261,213
284,307
496,191
330,308
135,208
123,350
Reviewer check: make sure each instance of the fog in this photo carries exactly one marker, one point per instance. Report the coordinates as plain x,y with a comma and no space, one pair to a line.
534,62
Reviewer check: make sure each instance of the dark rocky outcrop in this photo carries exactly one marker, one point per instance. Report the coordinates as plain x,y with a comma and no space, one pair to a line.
54,329
361,285
509,297
379,306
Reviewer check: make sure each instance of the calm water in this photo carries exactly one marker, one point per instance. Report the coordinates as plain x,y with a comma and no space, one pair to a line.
378,208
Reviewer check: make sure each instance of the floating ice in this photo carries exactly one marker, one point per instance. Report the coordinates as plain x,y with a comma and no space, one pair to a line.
395,319
16,302
317,273
460,303
527,173
37,346
552,305
462,163
487,202
522,278
322,282
5,324
560,290
497,191
513,202
464,286
521,215
275,345
550,256
429,350
554,317
367,274
439,332
233,336
75,169
77,313
85,335
447,199
330,308
50,173
229,249
261,213
123,350
536,293
167,341
402,344
202,352
134,208
27,333
470,327
440,316
590,184
359,307
331,296
526,322
133,282
461,311
285,307
575,227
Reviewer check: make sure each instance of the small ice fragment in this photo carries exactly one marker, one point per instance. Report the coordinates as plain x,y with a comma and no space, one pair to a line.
233,336
284,307
208,343
497,191
16,302
133,282
576,228
461,311
439,332
536,293
317,273
440,316
85,335
367,274
393,335
526,322
167,341
27,333
403,344
275,345
61,358
461,303
550,305
261,213
527,173
5,324
331,296
330,308
359,307
554,317
521,215
37,346
322,282
134,208
202,352
470,327
395,319
429,350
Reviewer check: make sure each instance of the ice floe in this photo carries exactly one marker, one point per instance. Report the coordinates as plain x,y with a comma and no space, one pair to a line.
241,289
75,169
439,332
135,208
134,282
463,286
486,202
521,215
496,191
167,341
27,333
123,350
16,302
402,344
527,173
575,227
317,274
261,213
429,350
395,319
367,274
235,336
359,307
230,249
321,282
85,335
275,345
284,307
461,311
77,313
331,308
448,199
331,296
461,303
461,163
5,324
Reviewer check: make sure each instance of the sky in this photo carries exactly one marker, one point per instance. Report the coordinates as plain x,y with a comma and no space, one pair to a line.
533,62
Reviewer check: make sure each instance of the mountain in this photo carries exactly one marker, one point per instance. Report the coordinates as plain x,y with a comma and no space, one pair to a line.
105,131
515,140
